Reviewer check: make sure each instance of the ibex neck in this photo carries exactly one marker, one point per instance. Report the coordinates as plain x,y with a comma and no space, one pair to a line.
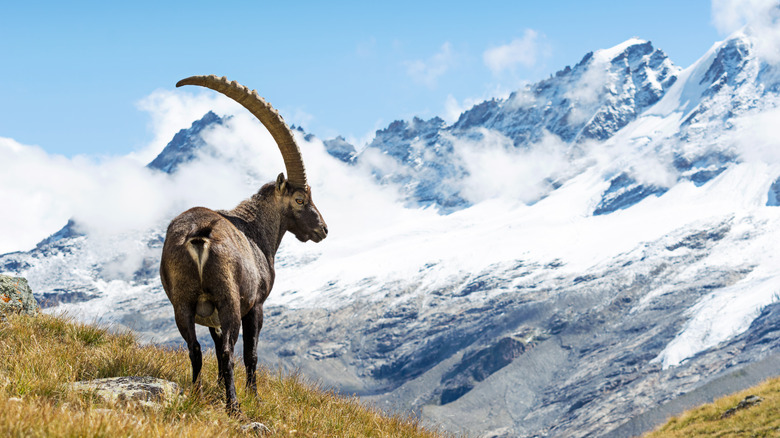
263,221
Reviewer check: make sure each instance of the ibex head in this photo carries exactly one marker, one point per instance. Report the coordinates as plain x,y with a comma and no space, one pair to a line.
303,218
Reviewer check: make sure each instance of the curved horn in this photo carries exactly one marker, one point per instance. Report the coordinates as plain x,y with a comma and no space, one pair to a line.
268,116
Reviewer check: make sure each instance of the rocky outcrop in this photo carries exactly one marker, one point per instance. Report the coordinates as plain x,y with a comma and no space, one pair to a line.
256,428
749,401
16,296
146,391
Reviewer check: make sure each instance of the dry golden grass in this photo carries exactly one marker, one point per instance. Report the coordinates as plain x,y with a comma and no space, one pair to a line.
41,355
762,420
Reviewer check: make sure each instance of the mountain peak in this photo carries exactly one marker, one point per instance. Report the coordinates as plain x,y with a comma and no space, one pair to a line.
339,147
729,60
184,144
630,47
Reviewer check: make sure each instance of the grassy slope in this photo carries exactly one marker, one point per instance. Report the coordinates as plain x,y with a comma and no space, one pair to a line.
40,355
762,420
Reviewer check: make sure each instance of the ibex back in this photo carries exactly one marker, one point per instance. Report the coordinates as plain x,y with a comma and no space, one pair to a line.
217,267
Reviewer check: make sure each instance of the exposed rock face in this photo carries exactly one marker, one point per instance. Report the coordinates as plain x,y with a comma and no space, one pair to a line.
478,365
773,197
339,148
623,192
146,391
16,296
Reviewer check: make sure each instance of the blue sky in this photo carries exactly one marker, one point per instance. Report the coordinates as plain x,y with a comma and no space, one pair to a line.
73,73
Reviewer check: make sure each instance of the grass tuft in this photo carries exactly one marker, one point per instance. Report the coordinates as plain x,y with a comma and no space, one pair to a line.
41,355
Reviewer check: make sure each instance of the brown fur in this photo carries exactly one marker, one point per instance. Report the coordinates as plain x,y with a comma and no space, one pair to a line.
217,268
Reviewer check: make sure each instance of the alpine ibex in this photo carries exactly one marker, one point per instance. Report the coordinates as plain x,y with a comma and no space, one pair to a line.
217,267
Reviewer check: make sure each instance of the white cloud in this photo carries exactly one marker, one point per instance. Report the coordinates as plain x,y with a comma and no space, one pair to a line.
362,141
497,169
46,190
587,92
34,197
522,98
105,197
453,109
173,110
428,72
758,18
116,194
112,196
756,136
297,117
523,51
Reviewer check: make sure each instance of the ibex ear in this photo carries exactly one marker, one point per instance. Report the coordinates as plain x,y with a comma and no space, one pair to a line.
281,184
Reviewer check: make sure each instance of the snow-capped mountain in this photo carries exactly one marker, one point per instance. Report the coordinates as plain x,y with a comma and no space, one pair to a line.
581,258
590,102
185,145
602,93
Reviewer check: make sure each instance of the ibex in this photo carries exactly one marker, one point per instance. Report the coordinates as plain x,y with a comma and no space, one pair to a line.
217,267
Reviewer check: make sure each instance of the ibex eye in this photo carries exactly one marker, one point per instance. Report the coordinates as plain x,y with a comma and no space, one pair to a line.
299,201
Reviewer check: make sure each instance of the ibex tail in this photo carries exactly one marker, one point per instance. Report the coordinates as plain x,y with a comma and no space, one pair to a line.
198,247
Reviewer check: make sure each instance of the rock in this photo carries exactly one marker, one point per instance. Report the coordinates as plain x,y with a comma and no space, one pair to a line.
749,401
476,366
16,296
146,391
258,428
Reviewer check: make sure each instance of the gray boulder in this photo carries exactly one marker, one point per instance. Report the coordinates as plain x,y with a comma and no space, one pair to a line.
146,391
16,296
257,428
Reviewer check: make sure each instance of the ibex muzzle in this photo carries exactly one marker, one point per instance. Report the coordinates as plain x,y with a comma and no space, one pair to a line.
217,267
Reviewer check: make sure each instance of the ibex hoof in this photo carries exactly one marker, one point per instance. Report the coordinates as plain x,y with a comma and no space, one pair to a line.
233,409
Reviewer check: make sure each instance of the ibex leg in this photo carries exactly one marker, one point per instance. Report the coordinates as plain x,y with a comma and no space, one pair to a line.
230,326
185,321
252,323
219,349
